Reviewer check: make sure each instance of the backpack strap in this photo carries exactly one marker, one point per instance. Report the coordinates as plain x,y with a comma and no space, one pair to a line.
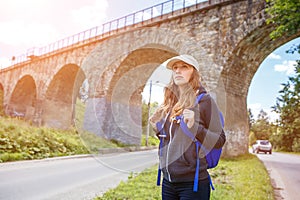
187,132
199,97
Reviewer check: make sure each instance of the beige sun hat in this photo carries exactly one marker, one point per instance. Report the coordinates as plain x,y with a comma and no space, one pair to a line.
185,58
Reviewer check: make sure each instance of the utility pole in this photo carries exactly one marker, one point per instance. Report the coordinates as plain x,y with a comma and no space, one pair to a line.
148,125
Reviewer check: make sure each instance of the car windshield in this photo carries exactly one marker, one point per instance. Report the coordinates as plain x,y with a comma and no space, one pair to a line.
264,142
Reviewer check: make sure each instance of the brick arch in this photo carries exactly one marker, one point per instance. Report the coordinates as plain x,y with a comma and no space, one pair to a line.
23,97
61,95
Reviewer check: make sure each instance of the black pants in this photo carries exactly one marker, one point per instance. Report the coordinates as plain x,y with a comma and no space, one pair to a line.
184,191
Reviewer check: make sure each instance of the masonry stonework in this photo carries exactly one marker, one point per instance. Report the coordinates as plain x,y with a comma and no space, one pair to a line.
229,39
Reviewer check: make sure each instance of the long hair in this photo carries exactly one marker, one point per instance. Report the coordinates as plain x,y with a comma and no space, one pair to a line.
174,103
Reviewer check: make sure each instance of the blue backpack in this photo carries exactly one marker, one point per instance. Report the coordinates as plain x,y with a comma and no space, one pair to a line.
212,156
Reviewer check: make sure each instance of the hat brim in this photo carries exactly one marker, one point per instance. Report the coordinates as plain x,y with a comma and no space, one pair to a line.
170,62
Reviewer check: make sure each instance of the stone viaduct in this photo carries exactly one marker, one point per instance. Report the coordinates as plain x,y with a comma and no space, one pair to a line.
229,38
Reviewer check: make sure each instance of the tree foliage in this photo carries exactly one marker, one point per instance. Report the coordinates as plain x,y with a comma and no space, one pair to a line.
288,107
251,118
285,16
153,107
262,127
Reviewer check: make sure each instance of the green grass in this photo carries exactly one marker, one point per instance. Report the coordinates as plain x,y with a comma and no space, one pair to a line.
241,178
140,187
20,141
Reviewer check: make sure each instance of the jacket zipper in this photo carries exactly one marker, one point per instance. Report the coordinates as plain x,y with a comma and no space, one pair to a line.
167,156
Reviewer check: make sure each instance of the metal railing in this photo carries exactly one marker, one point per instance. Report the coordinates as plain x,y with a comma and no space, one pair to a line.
107,29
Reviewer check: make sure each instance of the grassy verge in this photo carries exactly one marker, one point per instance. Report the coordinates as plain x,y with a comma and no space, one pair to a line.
20,141
242,178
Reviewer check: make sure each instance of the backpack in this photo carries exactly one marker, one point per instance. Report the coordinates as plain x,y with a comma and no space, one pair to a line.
212,157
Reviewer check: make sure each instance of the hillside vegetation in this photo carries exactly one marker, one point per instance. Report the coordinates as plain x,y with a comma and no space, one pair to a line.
20,141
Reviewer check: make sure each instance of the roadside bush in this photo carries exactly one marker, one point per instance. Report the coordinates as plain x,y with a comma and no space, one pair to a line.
25,142
296,145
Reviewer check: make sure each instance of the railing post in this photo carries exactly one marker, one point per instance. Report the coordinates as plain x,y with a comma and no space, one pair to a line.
125,21
133,22
109,28
151,13
172,7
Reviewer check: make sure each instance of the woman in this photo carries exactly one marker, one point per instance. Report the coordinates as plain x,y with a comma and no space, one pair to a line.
178,152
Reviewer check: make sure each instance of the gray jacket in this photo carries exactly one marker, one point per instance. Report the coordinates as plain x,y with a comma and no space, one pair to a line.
178,152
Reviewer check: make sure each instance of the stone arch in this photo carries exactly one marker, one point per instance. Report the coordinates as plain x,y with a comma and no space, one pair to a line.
60,98
236,77
23,98
106,57
123,94
106,64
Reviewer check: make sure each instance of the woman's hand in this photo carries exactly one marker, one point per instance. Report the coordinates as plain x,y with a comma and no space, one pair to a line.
188,117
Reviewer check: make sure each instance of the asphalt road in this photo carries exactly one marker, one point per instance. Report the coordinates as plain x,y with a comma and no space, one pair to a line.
284,170
82,177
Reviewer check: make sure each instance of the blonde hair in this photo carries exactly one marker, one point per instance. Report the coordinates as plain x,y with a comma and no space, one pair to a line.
174,103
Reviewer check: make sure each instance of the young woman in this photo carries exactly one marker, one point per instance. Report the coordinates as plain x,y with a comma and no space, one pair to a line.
178,151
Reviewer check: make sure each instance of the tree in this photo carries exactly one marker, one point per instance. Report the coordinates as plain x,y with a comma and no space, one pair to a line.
262,128
288,107
153,107
284,15
84,91
251,118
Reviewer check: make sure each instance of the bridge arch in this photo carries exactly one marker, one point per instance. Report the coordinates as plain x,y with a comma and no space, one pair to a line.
122,74
23,98
123,94
58,107
238,72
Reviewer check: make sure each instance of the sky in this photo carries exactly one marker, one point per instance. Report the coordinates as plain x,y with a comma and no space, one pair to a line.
36,23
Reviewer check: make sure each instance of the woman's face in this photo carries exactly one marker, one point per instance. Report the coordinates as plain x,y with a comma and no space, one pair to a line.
182,73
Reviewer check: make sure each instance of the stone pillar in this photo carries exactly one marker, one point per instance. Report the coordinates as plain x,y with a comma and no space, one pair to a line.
57,114
95,116
37,117
236,126
114,120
